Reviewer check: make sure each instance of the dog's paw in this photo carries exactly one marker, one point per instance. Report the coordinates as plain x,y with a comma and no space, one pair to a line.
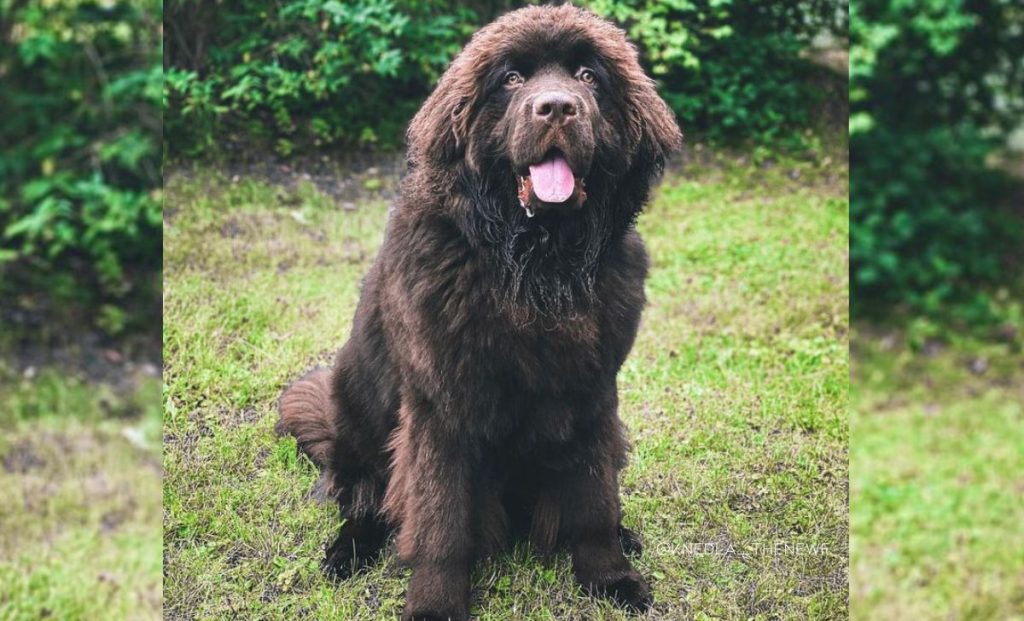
629,592
632,544
339,564
433,616
346,557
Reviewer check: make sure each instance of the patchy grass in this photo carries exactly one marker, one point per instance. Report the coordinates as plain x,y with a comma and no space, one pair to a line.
80,511
735,397
937,476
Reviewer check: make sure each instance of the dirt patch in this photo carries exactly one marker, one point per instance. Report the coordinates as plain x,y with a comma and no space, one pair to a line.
348,179
22,458
112,520
89,355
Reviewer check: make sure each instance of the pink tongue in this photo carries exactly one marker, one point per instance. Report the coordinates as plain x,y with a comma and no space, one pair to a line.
552,180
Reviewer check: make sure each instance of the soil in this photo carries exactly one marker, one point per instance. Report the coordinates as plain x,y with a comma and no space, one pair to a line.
349,179
36,335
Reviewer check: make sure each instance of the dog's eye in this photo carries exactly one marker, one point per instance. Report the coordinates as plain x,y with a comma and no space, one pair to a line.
512,78
587,76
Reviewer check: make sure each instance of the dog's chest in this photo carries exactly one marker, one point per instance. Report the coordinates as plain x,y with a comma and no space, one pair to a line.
543,354
532,380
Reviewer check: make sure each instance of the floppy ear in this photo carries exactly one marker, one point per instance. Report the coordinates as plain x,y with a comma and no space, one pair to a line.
653,127
439,130
653,136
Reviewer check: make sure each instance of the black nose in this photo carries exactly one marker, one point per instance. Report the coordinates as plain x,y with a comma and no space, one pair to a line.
554,107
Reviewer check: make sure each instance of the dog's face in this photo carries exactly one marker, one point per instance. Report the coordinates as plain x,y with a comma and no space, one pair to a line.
545,117
550,105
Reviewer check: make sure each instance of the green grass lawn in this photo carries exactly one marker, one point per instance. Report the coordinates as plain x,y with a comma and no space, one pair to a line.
937,477
79,500
735,397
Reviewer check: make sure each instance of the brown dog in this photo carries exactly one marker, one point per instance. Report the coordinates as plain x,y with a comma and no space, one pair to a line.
476,400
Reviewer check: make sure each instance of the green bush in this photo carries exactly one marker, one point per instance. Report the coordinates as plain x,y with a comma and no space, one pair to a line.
80,127
304,73
732,69
934,87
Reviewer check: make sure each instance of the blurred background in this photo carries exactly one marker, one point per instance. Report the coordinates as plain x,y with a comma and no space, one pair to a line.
284,125
937,216
80,264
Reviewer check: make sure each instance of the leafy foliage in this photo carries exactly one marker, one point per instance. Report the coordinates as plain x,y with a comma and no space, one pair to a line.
935,84
80,168
731,69
303,72
307,73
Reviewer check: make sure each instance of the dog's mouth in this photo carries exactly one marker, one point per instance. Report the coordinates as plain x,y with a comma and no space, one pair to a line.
550,183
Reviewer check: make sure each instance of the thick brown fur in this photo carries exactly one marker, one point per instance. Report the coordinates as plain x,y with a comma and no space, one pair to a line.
475,400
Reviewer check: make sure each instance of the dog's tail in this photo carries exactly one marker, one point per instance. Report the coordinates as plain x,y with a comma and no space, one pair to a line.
307,413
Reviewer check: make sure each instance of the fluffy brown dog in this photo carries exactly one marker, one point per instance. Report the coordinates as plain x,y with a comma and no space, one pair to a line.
475,400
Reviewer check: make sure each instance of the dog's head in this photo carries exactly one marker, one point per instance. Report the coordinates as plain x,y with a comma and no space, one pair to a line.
547,105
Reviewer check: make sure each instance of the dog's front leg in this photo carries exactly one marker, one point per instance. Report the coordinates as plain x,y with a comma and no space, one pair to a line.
590,509
436,536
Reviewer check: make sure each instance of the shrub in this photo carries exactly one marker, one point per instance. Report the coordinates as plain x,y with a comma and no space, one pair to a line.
304,73
80,168
934,86
731,69
924,224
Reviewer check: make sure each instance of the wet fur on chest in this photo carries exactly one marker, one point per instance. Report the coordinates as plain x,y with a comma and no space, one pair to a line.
455,314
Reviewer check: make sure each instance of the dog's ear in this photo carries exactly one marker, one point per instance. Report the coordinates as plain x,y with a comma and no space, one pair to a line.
440,129
652,136
653,127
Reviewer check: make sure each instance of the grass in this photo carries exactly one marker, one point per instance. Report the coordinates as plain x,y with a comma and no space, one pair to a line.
735,397
937,477
80,511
